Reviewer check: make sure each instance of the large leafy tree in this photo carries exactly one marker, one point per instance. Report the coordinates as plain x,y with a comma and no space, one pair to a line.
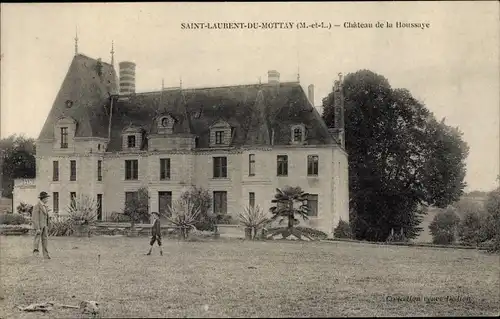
401,159
17,154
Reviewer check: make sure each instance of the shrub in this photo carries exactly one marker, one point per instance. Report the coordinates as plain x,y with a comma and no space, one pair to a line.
202,200
25,209
491,227
469,229
444,226
397,237
13,219
184,214
61,226
83,210
117,217
343,230
224,219
136,208
314,233
253,218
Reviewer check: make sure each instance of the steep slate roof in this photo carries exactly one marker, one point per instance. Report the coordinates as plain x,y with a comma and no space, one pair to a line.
254,111
88,91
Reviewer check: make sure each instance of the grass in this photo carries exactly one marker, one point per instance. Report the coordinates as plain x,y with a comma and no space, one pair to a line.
213,278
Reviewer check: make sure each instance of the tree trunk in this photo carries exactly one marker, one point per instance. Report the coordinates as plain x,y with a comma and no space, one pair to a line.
248,233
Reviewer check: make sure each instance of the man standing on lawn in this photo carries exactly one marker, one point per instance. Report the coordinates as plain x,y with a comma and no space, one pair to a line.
40,219
155,233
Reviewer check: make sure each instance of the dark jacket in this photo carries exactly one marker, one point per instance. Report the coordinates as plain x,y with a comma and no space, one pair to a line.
156,229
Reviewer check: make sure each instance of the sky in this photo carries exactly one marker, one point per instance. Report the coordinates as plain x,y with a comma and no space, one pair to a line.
452,66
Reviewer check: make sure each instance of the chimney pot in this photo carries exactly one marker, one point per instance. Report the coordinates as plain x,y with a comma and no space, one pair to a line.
127,77
273,76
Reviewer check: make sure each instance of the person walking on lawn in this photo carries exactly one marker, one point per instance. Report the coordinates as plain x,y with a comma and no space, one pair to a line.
40,219
155,233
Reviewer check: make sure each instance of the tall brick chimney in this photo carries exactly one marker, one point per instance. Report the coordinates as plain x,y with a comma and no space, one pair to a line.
273,76
310,93
337,130
127,77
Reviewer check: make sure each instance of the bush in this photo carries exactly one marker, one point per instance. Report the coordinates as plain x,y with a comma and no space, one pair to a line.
13,219
314,233
117,217
343,230
202,200
60,226
491,228
469,229
24,209
444,226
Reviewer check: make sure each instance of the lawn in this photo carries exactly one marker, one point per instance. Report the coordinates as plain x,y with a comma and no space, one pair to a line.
246,279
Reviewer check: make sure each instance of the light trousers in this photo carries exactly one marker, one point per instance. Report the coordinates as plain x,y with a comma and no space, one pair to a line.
43,235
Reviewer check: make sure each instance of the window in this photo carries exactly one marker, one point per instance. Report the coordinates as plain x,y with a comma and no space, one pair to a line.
312,204
164,202
312,165
131,141
72,166
251,165
297,134
282,165
98,147
55,202
251,199
72,198
220,167
55,171
220,203
219,137
131,169
99,206
99,170
164,168
131,196
64,137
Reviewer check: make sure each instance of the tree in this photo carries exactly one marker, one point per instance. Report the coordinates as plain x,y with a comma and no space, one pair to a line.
290,201
18,161
469,229
136,207
401,159
491,229
444,226
201,199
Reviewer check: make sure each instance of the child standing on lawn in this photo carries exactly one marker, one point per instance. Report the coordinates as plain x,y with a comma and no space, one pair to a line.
155,233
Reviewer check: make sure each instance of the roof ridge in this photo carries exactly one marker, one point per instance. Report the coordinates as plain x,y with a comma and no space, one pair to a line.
93,59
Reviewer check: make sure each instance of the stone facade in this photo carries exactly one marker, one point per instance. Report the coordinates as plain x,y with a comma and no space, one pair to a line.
255,122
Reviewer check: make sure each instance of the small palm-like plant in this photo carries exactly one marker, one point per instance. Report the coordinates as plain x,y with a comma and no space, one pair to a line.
253,218
290,201
83,210
184,214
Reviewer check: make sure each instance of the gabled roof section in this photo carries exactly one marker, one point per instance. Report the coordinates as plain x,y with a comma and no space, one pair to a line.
86,87
253,111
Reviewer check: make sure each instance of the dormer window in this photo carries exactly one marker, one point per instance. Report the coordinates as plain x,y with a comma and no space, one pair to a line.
219,137
220,133
132,137
166,124
298,133
64,137
64,132
131,141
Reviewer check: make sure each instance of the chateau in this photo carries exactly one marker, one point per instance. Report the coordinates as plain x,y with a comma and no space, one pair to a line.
239,142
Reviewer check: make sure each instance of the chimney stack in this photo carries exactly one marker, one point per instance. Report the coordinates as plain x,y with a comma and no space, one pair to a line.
127,77
310,93
273,76
338,106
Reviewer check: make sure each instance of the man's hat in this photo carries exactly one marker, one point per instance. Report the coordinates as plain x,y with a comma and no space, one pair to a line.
156,213
43,195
